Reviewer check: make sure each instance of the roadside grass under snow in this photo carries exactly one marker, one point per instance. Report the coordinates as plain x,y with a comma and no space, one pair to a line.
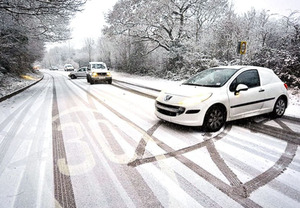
10,83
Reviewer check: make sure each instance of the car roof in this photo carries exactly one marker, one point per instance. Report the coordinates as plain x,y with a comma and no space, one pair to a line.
240,67
96,62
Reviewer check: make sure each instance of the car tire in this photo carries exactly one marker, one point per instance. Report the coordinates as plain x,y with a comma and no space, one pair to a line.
73,76
215,118
109,81
279,107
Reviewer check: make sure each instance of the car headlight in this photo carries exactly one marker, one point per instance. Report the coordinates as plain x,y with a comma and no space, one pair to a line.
161,95
94,74
108,74
195,99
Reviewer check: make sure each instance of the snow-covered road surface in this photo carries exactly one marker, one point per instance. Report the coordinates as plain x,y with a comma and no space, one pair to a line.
68,143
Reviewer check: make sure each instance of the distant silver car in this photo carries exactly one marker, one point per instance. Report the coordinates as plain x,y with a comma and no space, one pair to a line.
221,94
81,72
68,67
53,68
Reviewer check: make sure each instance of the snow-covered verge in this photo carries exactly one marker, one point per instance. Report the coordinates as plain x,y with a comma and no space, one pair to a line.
11,83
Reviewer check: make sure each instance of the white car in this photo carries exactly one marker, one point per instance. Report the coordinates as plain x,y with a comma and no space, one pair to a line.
98,72
221,94
68,67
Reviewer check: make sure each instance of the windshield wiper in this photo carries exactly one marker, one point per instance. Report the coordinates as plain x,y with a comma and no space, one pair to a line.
211,85
199,85
193,84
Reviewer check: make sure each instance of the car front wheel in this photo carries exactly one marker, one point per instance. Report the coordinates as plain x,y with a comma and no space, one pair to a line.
215,118
279,108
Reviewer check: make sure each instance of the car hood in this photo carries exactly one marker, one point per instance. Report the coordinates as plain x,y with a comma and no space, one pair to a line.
176,95
99,70
189,90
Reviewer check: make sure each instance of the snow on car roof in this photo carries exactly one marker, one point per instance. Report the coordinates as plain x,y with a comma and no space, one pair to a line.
244,67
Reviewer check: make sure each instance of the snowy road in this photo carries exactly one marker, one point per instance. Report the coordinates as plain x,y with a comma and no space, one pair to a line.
65,143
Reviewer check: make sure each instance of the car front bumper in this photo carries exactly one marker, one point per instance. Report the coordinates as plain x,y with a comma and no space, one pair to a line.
188,116
101,78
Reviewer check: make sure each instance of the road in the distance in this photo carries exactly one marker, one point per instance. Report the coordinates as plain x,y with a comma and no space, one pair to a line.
65,143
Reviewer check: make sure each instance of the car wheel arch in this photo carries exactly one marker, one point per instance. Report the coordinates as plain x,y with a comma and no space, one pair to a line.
220,106
285,99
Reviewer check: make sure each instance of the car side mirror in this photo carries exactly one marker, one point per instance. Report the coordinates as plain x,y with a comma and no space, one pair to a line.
240,87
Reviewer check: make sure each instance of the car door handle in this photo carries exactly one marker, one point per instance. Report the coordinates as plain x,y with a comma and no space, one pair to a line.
261,90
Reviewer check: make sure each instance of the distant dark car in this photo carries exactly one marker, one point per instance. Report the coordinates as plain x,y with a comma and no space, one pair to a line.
53,68
81,72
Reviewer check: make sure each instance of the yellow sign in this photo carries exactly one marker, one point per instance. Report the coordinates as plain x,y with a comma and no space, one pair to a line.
243,47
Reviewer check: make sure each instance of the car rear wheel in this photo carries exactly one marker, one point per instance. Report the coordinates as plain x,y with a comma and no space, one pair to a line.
215,118
279,107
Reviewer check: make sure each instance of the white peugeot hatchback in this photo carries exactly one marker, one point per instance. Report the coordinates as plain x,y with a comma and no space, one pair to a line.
216,95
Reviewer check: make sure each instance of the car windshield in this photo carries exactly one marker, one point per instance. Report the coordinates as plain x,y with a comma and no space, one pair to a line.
214,77
98,66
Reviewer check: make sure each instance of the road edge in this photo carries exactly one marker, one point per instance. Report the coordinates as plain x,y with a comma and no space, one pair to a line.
5,97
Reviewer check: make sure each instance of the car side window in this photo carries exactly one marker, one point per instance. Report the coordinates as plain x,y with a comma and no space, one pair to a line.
249,78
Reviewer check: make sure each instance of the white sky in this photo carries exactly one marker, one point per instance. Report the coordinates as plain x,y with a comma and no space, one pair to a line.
283,7
89,23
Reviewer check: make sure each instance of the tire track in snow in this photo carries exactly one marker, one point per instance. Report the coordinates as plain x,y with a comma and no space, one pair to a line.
63,189
237,191
110,163
280,165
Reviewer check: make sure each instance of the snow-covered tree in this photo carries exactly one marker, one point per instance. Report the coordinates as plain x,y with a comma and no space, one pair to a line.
25,25
166,24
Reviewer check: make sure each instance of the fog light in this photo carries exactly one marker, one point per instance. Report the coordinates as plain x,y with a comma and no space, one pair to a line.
180,110
94,74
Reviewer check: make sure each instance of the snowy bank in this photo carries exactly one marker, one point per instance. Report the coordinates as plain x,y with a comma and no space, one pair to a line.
10,84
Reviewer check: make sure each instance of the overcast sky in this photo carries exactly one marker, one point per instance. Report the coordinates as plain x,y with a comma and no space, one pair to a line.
283,7
89,23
